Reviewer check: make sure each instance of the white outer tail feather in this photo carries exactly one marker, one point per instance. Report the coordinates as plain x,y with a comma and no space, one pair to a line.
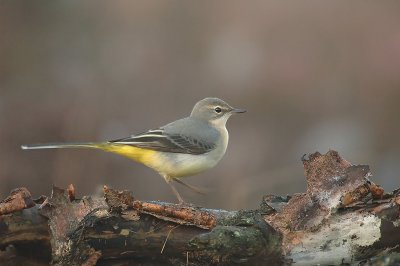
57,146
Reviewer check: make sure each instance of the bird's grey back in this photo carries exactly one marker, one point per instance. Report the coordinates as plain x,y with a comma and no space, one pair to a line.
188,135
195,128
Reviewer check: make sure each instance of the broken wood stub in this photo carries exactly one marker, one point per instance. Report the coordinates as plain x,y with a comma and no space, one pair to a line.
18,200
330,180
65,217
342,218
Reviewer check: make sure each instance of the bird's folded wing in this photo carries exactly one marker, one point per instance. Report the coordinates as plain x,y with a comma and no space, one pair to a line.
159,140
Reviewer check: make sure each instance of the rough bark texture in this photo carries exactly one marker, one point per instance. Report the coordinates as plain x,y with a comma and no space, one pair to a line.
342,218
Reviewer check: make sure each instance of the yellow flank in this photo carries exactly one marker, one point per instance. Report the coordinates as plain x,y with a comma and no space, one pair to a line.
172,165
140,155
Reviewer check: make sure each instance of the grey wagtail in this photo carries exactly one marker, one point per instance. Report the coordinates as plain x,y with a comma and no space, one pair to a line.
185,147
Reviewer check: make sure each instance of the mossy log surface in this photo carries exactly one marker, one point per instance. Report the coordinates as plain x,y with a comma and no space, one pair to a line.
343,217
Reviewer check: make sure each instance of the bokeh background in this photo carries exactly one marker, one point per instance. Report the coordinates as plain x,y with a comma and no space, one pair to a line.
313,75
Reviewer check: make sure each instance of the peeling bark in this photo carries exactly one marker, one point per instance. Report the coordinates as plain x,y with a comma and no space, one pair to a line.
342,218
160,232
19,199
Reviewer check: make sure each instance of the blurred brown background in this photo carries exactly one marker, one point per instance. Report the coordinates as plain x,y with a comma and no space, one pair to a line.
313,75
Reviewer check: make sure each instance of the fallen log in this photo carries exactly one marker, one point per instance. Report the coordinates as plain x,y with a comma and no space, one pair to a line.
343,217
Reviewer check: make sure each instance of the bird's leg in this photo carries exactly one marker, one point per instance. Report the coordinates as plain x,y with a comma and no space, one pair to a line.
195,189
180,199
169,182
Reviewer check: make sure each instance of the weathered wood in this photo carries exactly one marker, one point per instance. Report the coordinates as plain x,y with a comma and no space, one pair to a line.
129,230
19,199
27,232
342,218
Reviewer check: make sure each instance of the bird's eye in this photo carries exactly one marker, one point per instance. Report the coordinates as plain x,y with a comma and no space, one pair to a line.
217,110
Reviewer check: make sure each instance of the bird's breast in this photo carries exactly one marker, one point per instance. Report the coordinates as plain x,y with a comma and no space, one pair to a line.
181,165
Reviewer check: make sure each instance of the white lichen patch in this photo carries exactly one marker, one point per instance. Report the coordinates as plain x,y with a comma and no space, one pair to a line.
337,178
101,213
124,232
396,223
62,248
337,240
324,196
329,200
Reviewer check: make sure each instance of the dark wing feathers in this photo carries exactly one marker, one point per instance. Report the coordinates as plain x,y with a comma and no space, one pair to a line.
158,140
192,143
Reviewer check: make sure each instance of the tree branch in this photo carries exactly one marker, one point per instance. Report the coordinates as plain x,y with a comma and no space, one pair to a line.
342,218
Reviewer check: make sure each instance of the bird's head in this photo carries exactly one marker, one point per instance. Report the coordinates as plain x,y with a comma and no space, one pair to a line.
214,111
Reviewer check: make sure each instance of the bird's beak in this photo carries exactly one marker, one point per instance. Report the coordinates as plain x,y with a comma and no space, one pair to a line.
238,111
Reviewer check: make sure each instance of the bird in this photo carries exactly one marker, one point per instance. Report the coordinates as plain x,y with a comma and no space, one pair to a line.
182,148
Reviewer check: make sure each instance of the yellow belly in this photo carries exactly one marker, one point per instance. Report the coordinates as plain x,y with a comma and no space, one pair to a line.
167,164
144,156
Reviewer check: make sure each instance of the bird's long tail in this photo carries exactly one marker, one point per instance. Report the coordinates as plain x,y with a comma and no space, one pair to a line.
62,145
143,156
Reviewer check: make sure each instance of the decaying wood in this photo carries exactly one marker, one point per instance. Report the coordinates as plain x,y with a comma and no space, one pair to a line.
178,214
121,227
343,217
19,199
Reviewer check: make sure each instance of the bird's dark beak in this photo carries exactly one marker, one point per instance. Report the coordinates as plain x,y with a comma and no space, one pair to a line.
238,111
